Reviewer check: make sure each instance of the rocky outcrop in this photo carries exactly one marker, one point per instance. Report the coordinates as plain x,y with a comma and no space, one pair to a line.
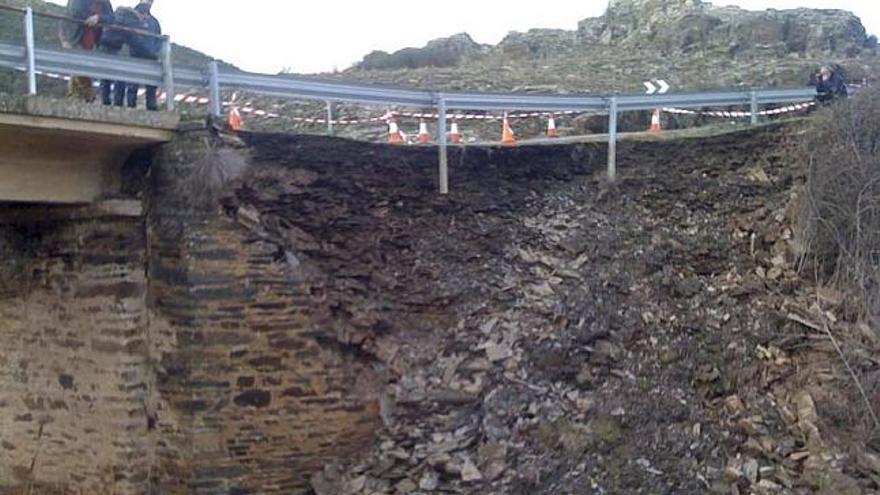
444,52
538,43
688,25
656,26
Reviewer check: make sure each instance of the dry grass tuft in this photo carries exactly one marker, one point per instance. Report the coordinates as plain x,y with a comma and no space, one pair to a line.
840,217
211,176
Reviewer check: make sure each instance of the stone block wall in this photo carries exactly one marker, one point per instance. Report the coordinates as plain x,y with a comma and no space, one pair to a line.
74,368
249,400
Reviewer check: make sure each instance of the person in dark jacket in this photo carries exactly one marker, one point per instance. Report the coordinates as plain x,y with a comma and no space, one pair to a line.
145,47
84,33
830,85
114,38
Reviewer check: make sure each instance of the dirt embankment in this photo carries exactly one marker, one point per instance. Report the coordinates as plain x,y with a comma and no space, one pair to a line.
541,333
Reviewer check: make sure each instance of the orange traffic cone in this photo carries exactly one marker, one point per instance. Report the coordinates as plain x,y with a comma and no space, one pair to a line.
234,119
655,122
551,127
507,136
394,135
454,135
424,136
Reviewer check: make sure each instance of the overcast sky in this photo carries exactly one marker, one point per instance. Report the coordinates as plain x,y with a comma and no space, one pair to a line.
317,36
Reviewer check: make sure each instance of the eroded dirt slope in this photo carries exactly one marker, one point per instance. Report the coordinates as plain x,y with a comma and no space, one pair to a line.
538,332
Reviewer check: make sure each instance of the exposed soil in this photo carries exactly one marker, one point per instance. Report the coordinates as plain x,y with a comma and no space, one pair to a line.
542,332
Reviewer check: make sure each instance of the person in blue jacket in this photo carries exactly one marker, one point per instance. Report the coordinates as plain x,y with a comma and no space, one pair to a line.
145,47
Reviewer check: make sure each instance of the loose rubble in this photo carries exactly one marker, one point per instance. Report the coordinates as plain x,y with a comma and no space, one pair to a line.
554,336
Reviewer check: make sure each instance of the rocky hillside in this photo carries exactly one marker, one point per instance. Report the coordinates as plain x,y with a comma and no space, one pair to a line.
443,52
693,44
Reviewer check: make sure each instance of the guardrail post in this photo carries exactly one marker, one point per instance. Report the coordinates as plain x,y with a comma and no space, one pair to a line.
168,74
444,157
754,99
30,50
329,118
612,140
214,87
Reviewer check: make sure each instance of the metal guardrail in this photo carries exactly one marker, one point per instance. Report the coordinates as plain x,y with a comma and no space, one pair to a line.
330,91
91,64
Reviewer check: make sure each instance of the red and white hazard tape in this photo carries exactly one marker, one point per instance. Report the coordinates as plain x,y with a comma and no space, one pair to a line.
741,115
462,116
249,109
410,115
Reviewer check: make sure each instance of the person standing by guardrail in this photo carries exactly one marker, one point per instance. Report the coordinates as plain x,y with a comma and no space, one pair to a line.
113,40
145,46
84,33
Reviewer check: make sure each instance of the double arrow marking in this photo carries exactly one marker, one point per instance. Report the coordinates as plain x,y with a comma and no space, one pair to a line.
659,87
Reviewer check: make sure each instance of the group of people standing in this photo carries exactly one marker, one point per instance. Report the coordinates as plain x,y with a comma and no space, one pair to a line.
98,26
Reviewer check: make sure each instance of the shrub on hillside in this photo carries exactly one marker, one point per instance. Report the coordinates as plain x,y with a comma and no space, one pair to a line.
840,221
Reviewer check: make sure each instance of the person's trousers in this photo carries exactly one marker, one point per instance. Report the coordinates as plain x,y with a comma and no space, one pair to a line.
152,91
112,92
82,88
152,99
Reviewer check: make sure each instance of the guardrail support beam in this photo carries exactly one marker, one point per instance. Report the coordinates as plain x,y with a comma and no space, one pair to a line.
754,104
30,53
168,73
612,140
214,87
444,152
329,118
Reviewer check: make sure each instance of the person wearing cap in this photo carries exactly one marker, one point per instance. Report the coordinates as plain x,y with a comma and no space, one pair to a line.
83,31
830,85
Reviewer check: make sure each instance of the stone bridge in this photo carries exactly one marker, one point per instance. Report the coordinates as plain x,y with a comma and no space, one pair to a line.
166,331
